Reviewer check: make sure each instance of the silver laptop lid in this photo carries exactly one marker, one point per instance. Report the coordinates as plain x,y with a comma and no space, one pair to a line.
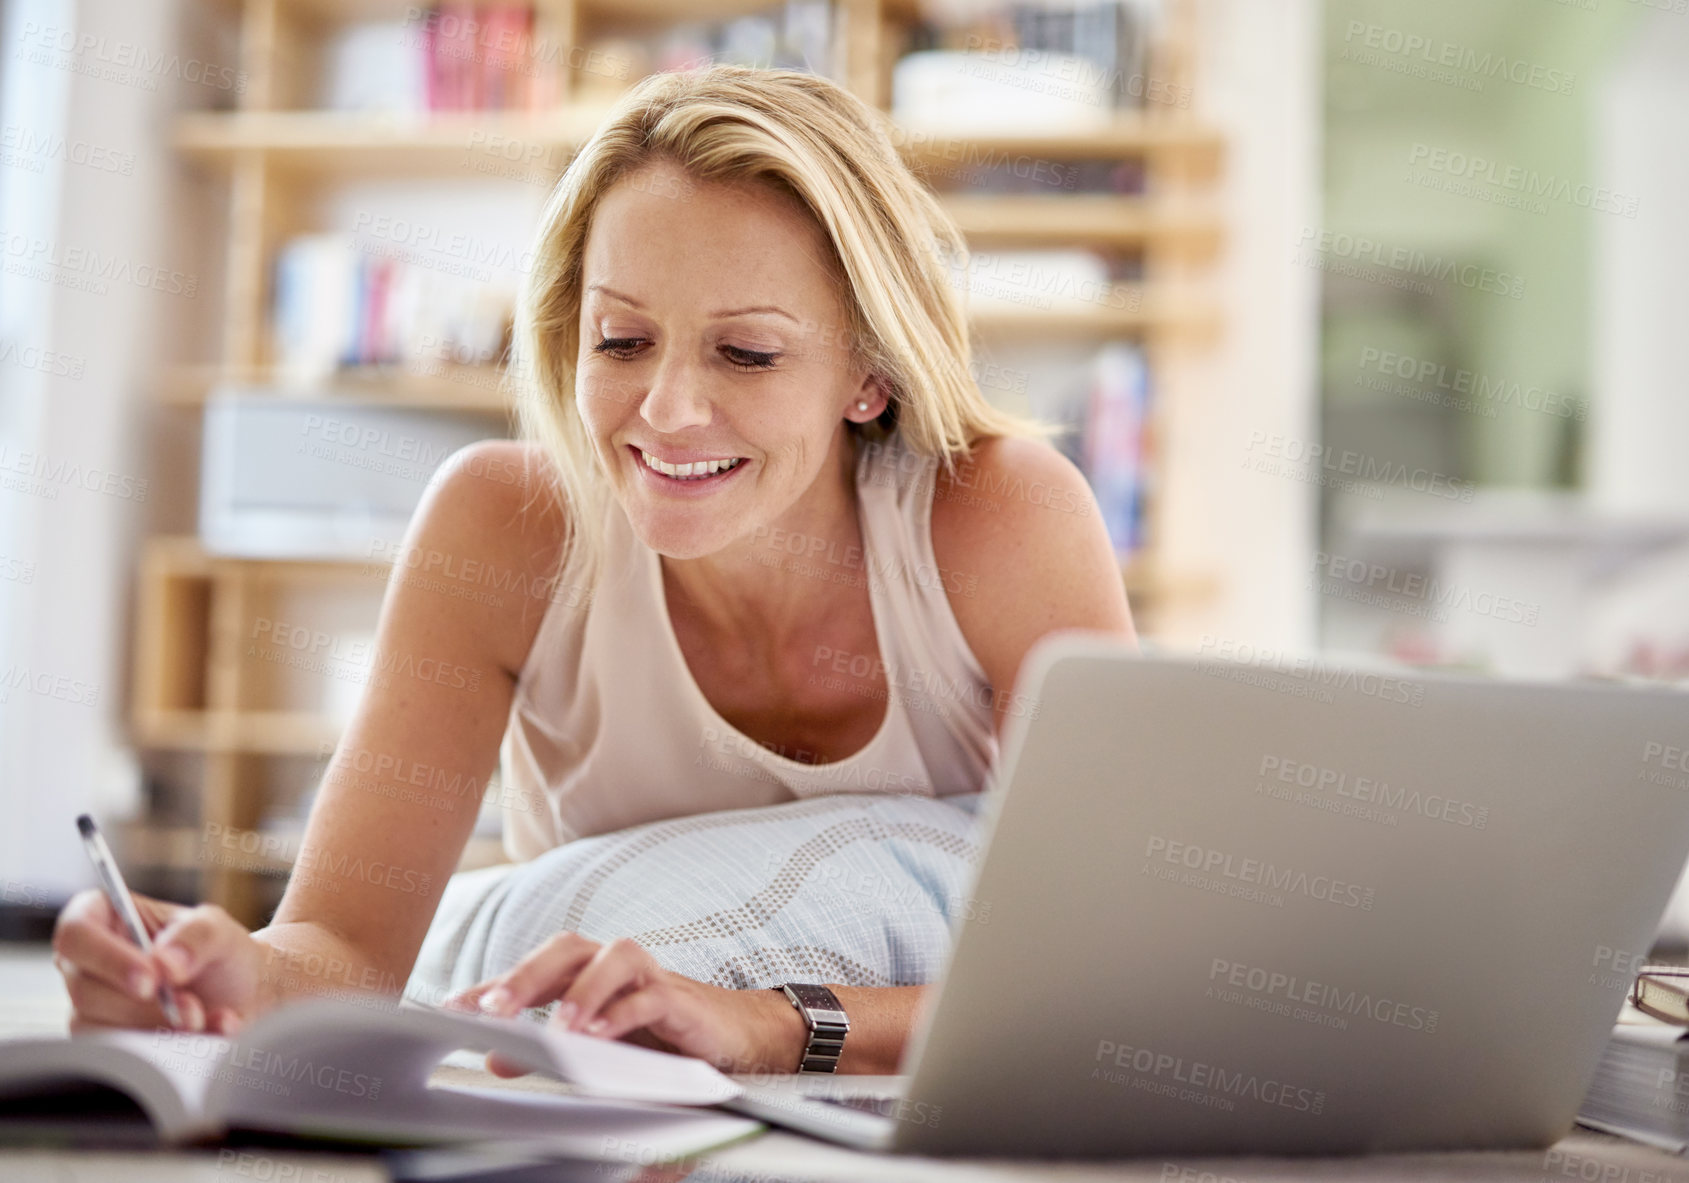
1243,908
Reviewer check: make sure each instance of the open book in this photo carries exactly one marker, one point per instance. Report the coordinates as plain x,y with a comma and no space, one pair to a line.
358,1072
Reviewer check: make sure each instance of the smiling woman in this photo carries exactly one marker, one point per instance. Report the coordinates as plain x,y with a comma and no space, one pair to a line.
753,171
790,552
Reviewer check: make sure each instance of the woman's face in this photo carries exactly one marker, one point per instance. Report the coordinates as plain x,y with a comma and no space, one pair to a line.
712,329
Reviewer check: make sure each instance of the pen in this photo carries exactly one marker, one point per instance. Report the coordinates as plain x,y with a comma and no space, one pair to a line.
117,892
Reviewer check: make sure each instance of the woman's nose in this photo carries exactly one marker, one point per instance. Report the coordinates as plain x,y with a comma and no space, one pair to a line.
676,399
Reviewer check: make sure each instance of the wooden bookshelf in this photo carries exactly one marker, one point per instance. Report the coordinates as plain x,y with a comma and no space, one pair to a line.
446,388
429,140
329,145
1085,220
194,689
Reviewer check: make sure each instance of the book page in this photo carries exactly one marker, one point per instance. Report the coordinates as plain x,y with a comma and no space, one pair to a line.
165,1075
358,1062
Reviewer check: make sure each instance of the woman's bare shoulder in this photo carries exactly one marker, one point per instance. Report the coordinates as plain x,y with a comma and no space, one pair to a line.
1021,546
487,536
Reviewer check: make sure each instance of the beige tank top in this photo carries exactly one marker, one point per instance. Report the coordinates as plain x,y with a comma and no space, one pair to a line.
609,729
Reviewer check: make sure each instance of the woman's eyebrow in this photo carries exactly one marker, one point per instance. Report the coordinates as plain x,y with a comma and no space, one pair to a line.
720,314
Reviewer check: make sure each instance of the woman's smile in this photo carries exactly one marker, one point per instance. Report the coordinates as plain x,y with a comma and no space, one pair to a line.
691,478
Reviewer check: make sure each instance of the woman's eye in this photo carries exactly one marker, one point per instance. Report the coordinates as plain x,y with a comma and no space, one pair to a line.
749,359
743,359
617,346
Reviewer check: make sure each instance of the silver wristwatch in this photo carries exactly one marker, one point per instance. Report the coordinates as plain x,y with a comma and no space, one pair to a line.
827,1024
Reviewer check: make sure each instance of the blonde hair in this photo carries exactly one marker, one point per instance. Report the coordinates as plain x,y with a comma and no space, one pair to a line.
892,241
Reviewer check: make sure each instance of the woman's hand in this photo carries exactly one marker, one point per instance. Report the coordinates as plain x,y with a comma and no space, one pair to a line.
212,963
618,991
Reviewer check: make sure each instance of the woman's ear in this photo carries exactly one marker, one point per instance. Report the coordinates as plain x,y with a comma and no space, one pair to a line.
869,402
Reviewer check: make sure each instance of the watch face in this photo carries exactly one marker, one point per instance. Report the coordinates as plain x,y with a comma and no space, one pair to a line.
818,997
819,1004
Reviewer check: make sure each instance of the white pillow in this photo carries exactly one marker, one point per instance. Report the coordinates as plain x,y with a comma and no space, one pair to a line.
853,889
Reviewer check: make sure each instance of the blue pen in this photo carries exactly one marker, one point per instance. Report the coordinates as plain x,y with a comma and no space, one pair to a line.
123,903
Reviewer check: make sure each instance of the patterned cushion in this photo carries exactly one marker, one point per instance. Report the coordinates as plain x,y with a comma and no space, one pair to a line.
855,889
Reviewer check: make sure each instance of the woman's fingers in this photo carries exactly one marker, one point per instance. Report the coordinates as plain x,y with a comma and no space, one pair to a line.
538,978
648,1007
499,1066
84,937
606,990
621,967
194,939
98,1004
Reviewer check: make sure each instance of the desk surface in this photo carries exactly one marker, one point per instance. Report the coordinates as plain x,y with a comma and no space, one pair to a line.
1584,1155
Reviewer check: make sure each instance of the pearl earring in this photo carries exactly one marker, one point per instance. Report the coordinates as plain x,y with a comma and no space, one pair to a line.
860,405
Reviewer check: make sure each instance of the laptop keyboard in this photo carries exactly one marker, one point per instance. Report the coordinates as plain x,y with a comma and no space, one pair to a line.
879,1106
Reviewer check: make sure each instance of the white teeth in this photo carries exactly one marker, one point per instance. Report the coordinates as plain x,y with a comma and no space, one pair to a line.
696,470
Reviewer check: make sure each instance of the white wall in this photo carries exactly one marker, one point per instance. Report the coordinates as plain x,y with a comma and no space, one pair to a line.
1639,416
65,630
1259,78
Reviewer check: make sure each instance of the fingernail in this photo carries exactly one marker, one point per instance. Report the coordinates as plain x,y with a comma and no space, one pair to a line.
497,1000
142,984
566,1013
193,1015
597,1027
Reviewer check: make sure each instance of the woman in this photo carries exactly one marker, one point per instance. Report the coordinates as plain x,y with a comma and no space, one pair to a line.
740,343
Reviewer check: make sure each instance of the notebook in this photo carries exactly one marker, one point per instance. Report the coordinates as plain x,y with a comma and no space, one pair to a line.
1641,1085
335,1069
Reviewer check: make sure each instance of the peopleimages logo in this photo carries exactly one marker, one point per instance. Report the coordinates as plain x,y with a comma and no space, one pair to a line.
1526,182
1271,989
1407,261
1366,790
1498,392
1662,763
1240,660
1322,462
125,62
1613,968
1216,870
1450,55
1206,1084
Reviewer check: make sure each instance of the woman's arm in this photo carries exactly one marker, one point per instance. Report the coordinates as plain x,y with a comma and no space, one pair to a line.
400,794
617,990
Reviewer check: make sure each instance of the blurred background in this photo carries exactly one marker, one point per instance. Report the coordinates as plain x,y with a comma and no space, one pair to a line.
1363,317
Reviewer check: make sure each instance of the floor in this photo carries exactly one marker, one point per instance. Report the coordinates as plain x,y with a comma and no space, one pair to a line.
32,1002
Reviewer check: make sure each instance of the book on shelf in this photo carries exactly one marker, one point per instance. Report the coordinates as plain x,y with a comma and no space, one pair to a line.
339,1070
448,57
1037,281
344,302
1117,443
1017,65
794,35
505,57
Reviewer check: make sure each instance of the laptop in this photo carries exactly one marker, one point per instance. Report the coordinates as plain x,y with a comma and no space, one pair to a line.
1278,908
